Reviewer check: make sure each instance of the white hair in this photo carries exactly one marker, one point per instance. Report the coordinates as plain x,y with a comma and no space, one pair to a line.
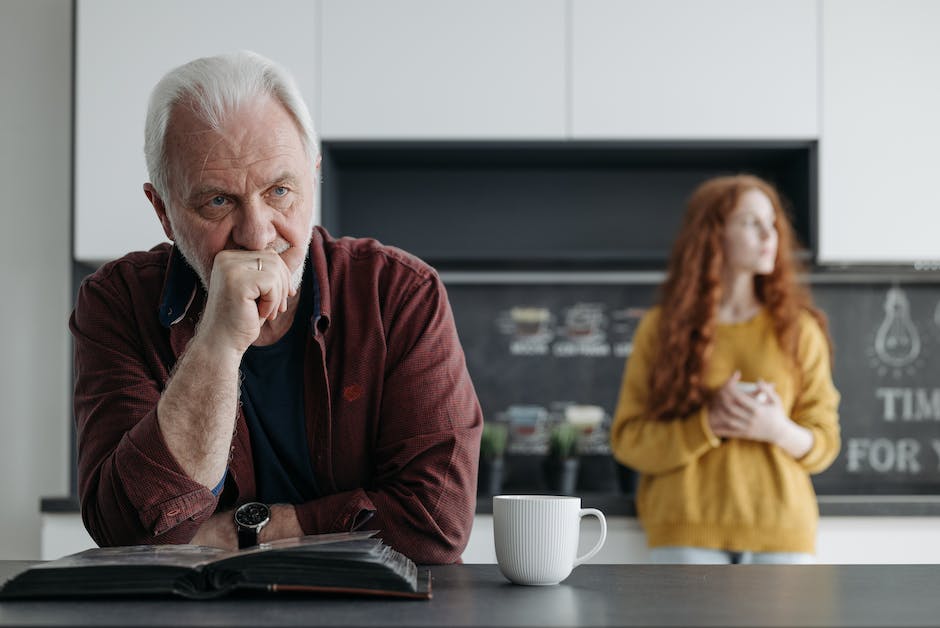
215,87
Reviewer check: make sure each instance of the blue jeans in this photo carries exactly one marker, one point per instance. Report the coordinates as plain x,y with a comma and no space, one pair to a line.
708,556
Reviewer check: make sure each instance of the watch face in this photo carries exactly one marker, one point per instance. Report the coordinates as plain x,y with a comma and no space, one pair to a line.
252,514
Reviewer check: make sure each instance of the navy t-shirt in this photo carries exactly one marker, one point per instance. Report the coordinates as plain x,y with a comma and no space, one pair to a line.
272,396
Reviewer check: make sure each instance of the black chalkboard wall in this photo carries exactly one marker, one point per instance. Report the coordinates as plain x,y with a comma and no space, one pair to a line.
548,344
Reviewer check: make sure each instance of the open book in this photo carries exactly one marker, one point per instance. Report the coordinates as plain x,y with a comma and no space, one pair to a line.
349,562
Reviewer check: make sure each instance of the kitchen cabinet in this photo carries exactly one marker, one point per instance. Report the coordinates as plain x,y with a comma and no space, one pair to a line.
444,69
122,50
880,130
852,74
687,69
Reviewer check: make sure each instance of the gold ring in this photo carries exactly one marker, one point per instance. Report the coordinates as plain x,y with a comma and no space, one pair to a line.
260,265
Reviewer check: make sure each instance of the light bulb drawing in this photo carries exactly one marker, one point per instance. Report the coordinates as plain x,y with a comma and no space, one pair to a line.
897,342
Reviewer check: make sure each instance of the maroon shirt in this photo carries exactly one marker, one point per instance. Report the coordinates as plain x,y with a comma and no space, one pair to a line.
393,421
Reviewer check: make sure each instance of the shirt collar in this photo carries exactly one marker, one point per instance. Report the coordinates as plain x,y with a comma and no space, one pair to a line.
320,266
179,289
316,314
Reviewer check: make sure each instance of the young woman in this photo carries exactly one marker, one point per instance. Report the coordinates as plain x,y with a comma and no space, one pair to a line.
727,404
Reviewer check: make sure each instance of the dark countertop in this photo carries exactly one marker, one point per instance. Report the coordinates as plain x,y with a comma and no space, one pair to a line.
614,505
594,595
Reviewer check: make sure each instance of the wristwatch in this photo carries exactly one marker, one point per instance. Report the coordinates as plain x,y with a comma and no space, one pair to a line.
249,519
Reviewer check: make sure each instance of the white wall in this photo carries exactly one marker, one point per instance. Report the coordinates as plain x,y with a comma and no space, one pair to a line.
114,63
35,261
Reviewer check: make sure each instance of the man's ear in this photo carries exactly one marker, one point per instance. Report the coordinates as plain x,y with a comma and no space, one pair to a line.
160,207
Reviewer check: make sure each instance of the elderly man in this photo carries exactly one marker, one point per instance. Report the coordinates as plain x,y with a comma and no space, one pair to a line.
259,379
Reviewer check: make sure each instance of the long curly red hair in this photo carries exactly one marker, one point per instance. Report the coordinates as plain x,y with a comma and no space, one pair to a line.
692,291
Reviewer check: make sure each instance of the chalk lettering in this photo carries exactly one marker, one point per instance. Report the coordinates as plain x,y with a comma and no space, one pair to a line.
882,455
521,347
888,394
908,449
623,349
928,404
916,404
567,349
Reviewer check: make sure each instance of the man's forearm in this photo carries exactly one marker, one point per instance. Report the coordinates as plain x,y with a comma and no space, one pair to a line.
197,411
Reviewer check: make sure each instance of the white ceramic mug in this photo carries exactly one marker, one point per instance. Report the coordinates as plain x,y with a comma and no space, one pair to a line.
537,536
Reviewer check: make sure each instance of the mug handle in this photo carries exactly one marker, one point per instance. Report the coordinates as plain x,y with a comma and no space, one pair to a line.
594,512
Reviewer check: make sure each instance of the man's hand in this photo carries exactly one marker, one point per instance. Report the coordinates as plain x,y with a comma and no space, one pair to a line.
220,531
246,289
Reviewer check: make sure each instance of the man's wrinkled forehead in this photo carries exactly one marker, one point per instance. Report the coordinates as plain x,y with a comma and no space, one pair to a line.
193,140
190,129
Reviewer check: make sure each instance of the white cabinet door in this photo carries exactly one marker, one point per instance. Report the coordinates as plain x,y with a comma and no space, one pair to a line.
440,69
122,50
880,140
693,69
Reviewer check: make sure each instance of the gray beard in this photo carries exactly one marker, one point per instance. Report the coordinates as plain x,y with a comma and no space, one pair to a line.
188,251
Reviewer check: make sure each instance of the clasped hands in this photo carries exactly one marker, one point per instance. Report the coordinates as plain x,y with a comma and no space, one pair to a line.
758,415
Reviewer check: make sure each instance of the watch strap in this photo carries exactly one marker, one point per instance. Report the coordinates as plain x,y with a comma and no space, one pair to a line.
247,537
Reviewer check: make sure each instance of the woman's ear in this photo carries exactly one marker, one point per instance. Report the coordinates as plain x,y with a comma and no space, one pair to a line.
160,207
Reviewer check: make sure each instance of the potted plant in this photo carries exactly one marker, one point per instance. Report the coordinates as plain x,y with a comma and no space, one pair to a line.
561,464
492,459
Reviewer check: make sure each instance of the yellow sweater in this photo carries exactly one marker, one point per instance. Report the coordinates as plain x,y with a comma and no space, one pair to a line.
699,490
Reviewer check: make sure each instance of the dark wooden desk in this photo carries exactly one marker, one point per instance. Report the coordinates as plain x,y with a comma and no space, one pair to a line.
594,595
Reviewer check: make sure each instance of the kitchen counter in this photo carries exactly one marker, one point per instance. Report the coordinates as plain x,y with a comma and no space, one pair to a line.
594,595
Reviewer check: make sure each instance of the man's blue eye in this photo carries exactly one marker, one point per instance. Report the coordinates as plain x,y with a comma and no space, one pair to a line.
218,201
280,190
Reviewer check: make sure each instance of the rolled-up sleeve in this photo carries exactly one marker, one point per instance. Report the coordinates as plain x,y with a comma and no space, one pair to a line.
131,488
